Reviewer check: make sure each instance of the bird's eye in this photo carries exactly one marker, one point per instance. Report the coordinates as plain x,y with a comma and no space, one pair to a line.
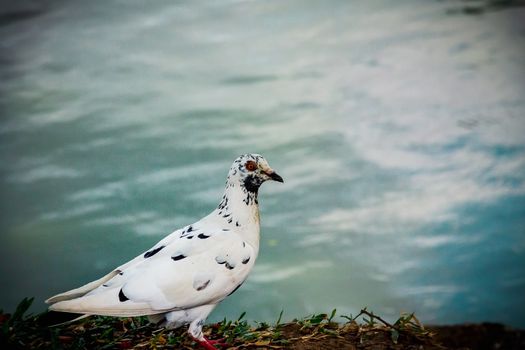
251,165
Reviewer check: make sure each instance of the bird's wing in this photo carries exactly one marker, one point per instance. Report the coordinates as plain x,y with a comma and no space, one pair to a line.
88,287
191,267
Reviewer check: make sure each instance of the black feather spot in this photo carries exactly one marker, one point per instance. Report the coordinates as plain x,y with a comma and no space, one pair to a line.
223,261
121,296
233,291
178,257
203,236
245,261
121,273
189,237
252,183
153,252
190,229
204,285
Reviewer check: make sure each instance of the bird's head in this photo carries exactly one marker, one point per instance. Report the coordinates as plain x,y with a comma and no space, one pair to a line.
250,171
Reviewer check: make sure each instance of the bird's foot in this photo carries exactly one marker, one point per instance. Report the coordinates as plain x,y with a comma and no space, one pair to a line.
211,344
218,342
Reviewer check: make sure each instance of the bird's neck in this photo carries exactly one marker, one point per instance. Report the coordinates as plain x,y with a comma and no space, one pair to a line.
239,211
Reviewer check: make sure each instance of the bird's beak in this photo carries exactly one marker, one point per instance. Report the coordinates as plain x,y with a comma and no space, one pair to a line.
274,176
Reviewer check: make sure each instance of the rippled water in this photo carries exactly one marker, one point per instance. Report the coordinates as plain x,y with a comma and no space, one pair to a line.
399,130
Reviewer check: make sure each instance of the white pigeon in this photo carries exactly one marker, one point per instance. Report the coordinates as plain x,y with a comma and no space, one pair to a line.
182,278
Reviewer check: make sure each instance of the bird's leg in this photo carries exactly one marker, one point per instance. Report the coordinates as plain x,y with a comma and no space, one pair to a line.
195,331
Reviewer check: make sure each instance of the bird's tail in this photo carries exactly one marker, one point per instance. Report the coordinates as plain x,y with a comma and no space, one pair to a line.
81,291
70,321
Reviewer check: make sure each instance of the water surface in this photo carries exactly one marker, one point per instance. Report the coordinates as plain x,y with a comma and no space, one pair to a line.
398,128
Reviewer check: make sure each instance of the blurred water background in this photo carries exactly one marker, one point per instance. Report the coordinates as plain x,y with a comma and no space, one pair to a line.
398,127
